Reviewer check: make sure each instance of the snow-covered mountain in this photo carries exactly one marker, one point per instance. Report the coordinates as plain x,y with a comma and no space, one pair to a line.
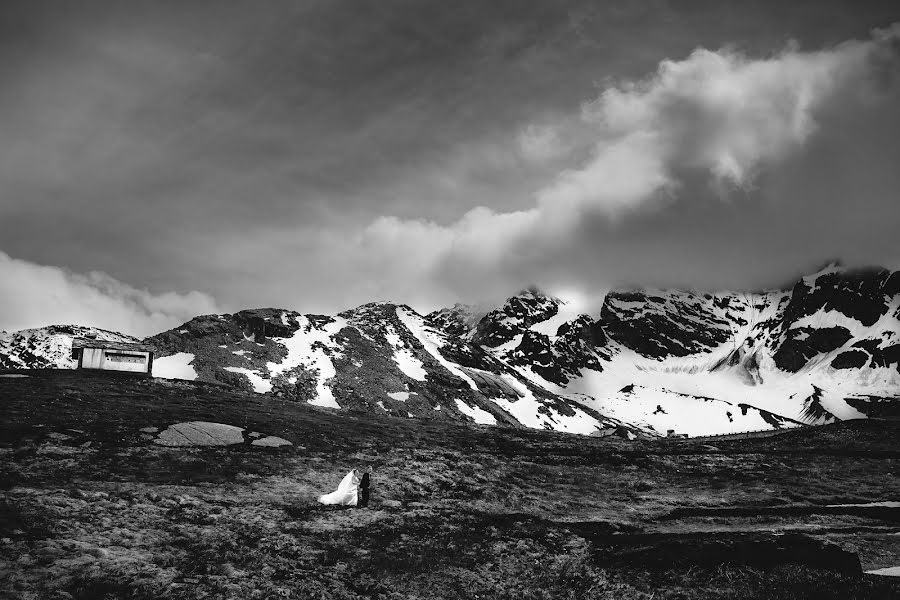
706,363
378,357
48,347
652,361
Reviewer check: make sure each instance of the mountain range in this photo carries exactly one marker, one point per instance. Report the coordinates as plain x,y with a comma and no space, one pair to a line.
653,362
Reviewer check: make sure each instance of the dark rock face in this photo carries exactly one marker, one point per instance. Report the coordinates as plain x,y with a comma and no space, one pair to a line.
582,330
862,294
458,321
813,411
579,346
688,326
881,357
261,323
535,351
851,359
519,313
804,343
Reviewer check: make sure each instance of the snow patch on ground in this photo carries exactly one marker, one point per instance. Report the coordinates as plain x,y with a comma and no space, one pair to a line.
177,366
399,396
509,346
669,383
405,359
480,415
887,572
260,385
309,347
529,411
566,312
431,341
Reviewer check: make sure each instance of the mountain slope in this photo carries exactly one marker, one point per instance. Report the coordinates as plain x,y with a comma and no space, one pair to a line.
378,357
652,361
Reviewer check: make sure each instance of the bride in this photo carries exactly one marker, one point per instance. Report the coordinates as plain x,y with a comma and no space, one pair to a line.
346,492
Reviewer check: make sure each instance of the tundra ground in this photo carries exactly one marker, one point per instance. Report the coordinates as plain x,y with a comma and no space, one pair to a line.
91,507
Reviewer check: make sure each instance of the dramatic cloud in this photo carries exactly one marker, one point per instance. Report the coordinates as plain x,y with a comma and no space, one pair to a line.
30,292
717,119
318,155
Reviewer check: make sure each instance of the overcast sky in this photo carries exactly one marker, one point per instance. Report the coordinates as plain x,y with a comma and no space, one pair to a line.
163,159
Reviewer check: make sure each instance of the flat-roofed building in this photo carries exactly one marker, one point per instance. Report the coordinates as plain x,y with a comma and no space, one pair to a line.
92,353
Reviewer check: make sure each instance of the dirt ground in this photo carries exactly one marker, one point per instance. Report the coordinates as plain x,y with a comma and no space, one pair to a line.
91,507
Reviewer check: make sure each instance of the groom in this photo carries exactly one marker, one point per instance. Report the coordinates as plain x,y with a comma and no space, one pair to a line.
364,490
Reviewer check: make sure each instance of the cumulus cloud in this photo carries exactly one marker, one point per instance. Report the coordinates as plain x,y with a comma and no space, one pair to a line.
718,117
33,295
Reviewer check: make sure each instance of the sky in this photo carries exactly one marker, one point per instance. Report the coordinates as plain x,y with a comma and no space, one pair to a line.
162,159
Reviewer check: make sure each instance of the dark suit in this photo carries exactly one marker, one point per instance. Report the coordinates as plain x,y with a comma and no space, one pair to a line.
364,491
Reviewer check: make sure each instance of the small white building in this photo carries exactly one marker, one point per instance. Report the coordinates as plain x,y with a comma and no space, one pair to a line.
112,356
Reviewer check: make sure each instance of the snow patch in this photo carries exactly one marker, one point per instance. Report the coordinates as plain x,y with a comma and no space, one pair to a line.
400,396
308,347
566,312
177,366
431,341
886,572
405,359
480,415
529,411
260,385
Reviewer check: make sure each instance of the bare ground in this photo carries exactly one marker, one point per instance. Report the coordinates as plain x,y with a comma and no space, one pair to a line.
90,507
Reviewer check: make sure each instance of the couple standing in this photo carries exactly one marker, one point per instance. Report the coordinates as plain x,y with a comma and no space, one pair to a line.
352,491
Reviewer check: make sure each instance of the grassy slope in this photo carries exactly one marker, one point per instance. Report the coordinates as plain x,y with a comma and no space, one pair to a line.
90,507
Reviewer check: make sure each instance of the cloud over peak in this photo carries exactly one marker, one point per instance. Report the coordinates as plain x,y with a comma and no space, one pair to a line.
717,117
30,292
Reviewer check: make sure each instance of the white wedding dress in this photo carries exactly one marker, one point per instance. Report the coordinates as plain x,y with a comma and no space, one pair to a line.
346,493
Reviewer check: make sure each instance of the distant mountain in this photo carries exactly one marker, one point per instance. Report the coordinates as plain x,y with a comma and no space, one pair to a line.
652,362
48,347
703,363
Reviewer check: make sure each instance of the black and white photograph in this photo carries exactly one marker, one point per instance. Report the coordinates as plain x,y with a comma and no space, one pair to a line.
430,299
